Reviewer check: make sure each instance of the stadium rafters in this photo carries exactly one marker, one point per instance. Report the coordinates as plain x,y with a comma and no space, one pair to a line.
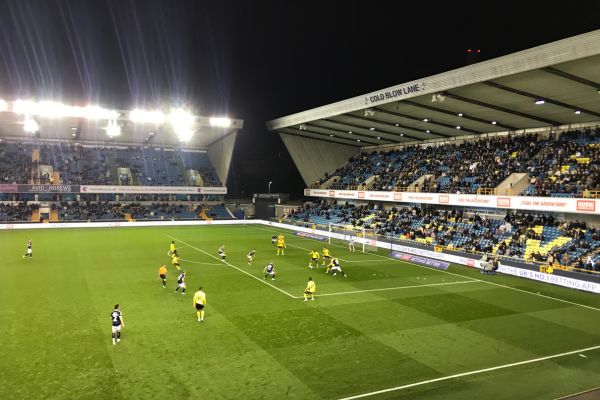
552,85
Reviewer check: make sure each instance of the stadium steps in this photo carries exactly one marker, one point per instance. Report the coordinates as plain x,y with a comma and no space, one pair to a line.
35,155
35,216
513,185
53,216
182,171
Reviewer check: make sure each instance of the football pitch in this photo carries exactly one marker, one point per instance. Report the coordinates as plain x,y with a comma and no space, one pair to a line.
390,330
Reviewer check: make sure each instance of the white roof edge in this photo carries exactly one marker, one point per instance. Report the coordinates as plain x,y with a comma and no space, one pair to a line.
569,49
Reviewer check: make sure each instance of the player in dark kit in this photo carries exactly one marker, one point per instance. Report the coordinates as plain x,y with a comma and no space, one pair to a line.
29,250
117,323
181,282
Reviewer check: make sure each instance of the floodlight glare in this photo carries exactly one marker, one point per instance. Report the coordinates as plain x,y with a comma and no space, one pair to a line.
223,122
30,125
145,116
3,106
113,129
182,122
52,109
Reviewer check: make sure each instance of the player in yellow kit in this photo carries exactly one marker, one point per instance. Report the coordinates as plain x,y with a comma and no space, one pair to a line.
199,303
281,245
175,260
314,258
162,273
326,255
310,290
171,248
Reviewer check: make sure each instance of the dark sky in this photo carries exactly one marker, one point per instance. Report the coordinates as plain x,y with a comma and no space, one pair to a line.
257,60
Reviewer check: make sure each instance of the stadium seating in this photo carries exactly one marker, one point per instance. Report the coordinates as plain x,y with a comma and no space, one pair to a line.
522,236
564,168
98,165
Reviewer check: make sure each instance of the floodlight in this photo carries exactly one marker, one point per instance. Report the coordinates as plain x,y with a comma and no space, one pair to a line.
577,112
3,106
539,102
145,116
182,122
222,122
30,125
113,129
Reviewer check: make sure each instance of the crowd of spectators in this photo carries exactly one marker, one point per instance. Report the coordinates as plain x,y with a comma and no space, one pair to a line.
22,211
79,164
570,164
471,232
76,211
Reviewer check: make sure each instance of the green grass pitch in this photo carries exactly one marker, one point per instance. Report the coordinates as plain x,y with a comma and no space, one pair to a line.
389,325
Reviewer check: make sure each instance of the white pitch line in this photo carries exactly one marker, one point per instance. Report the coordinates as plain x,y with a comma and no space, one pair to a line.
393,288
202,263
479,371
234,267
488,282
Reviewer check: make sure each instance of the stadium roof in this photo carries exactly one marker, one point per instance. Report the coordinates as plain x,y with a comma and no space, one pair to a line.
554,84
94,130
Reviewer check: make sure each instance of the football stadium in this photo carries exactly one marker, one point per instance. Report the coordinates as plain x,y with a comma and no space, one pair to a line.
445,243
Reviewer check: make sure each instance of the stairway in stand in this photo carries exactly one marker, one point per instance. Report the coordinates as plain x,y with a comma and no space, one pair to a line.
35,216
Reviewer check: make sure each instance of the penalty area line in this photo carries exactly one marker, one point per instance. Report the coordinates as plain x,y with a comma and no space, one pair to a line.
234,267
479,371
393,288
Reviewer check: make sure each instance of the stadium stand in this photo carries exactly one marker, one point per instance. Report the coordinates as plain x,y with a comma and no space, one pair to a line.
98,165
566,167
523,236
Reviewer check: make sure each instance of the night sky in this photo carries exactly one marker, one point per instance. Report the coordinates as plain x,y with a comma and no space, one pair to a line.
256,60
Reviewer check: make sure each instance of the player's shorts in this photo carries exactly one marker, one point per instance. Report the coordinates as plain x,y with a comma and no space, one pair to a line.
326,256
222,254
29,251
307,292
199,306
163,276
249,258
280,246
315,259
334,268
116,328
181,285
176,265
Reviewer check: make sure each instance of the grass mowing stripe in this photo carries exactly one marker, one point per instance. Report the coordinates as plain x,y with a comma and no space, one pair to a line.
479,371
480,280
393,288
234,267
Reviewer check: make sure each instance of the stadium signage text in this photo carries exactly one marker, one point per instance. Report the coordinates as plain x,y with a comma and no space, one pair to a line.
153,189
395,93
572,205
52,188
420,260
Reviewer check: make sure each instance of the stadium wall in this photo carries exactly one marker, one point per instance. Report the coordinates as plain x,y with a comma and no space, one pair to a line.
314,158
547,204
220,153
506,267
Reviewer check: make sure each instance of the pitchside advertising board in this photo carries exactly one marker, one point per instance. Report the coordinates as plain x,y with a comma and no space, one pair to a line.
99,189
552,204
407,253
